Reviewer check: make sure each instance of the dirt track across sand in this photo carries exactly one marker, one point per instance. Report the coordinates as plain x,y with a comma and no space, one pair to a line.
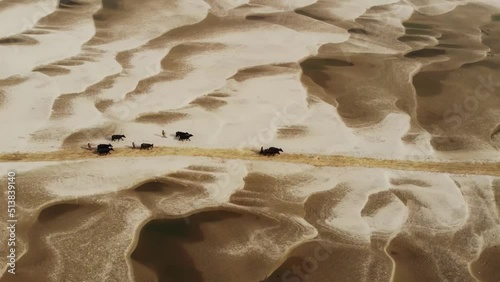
479,168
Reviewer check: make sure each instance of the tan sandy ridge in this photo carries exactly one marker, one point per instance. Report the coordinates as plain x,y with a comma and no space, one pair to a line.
479,168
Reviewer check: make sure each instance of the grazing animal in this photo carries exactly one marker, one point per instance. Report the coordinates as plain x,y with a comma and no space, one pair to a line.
117,137
185,136
180,133
270,151
277,150
104,146
104,151
146,146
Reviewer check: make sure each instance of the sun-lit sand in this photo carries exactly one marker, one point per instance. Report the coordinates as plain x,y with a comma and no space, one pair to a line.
387,112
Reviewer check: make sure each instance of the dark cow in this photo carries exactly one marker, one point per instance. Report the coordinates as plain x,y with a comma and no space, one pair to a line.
277,150
178,134
185,136
104,151
146,146
270,151
104,146
117,137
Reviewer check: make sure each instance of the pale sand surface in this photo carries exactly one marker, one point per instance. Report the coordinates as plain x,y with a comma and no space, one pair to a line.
387,111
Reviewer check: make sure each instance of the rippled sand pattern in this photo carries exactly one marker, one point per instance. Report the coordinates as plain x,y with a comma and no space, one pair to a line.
387,112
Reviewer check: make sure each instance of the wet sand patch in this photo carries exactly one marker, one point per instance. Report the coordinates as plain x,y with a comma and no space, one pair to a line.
206,168
292,131
192,176
208,103
62,106
376,202
69,63
22,40
64,4
409,181
416,25
84,135
161,117
358,31
103,105
218,95
265,70
320,63
104,84
52,70
426,53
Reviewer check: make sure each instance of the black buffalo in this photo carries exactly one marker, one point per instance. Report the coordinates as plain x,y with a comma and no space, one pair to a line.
180,133
104,146
146,146
104,151
270,151
277,150
185,136
117,137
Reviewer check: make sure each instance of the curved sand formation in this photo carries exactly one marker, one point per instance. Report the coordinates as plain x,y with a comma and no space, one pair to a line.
178,218
386,110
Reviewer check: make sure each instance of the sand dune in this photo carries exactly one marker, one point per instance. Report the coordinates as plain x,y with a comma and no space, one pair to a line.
166,221
387,112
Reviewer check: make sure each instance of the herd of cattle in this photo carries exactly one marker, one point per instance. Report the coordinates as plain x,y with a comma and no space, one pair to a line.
104,149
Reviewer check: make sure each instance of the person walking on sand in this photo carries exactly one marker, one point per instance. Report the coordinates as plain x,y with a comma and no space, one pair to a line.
133,145
163,133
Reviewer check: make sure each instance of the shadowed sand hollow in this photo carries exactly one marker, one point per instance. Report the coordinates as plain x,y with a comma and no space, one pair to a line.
202,243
